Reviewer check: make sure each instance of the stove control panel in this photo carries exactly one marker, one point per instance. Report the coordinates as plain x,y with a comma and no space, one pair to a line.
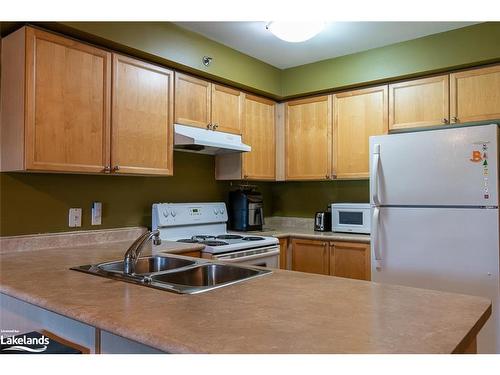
175,214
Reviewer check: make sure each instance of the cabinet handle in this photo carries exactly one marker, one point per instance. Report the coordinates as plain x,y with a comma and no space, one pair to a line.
445,120
116,168
454,119
245,176
209,126
216,126
107,169
327,177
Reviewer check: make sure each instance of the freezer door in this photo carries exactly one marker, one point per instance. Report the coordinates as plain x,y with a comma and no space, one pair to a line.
451,167
449,249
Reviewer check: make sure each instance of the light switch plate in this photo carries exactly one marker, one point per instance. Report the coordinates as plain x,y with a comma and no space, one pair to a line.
75,217
96,213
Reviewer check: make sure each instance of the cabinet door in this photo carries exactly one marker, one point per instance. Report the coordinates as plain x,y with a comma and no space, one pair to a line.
419,103
68,93
283,253
259,133
310,256
475,95
350,259
192,101
142,117
358,115
227,109
308,130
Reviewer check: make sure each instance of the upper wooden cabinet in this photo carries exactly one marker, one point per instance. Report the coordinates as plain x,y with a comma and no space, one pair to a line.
192,101
55,103
259,133
419,103
57,98
308,133
475,95
227,109
142,113
358,115
204,104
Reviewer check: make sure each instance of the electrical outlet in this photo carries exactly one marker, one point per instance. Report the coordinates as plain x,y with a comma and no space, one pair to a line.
96,213
75,217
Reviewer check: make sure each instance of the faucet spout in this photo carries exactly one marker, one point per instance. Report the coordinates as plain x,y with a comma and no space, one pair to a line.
135,250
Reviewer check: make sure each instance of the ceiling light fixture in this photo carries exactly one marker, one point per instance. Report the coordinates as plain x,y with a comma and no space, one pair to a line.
295,32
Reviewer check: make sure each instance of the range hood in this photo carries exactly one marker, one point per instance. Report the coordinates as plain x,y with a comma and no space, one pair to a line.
205,141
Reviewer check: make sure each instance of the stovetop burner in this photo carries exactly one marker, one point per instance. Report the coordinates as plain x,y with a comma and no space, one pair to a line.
229,237
203,237
214,243
252,238
188,240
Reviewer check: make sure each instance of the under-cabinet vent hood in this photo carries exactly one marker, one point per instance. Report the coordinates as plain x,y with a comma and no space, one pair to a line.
205,141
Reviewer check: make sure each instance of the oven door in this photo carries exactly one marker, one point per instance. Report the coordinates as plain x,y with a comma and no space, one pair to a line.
263,256
351,220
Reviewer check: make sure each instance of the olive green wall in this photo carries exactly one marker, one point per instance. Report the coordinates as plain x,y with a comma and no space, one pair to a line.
458,48
167,43
39,203
303,199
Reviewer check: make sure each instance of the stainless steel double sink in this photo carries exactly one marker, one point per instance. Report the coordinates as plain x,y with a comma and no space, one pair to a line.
176,274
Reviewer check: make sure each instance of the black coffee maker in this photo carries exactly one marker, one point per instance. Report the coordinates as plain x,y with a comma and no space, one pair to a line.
246,209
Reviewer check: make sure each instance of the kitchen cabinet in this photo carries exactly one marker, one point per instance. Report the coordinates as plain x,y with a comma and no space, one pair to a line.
308,135
419,103
192,101
342,259
55,103
475,95
283,253
207,105
62,95
142,118
310,256
259,133
350,259
358,115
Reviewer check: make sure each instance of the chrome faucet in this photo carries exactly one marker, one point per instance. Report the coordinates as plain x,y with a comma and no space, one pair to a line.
135,250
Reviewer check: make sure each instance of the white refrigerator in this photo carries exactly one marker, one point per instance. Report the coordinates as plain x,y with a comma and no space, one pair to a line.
435,218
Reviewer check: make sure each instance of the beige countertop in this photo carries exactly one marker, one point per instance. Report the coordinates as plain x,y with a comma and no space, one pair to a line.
284,312
304,232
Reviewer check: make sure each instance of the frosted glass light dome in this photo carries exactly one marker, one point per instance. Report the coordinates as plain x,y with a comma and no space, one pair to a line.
295,32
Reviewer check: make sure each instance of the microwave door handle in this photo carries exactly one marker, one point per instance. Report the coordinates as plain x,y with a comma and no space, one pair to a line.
375,237
374,173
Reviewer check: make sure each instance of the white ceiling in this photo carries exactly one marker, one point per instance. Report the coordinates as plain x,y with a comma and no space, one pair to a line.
337,39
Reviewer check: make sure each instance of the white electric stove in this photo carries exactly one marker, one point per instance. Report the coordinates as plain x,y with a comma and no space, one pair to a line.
206,224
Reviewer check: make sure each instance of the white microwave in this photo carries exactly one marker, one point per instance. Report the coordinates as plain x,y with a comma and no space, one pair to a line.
351,217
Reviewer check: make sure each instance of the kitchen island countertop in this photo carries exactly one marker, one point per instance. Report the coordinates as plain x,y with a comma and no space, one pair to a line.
284,312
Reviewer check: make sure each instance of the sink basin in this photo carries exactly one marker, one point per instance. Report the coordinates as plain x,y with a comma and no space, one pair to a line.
207,275
176,274
147,265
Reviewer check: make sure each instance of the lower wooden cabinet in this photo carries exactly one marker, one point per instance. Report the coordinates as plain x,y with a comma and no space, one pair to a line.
310,256
342,259
283,253
350,259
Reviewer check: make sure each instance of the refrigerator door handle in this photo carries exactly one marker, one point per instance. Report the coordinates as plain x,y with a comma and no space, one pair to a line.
374,173
374,237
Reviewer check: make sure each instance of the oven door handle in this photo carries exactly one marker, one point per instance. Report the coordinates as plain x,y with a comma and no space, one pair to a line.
245,258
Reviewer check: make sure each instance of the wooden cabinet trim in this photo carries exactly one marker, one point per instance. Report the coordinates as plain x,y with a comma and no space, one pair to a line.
32,35
313,99
260,99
